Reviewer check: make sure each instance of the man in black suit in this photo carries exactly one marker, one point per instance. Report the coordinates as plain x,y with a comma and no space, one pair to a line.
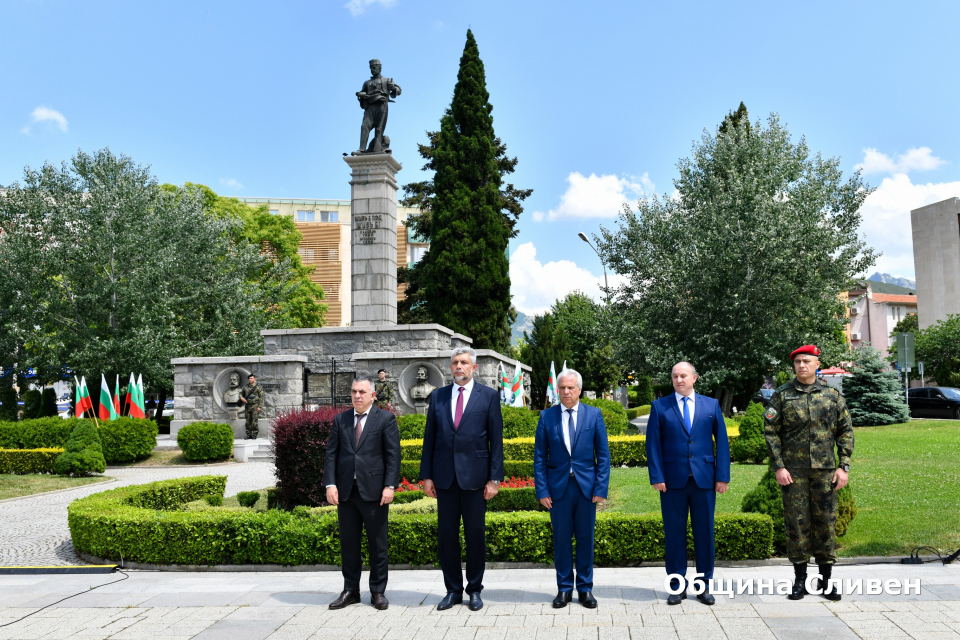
462,467
360,471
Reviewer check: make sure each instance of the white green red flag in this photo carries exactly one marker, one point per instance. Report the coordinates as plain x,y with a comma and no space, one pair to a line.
116,400
133,400
552,397
83,403
105,410
141,403
516,389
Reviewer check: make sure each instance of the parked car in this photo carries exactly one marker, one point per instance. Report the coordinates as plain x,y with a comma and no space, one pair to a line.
934,402
763,396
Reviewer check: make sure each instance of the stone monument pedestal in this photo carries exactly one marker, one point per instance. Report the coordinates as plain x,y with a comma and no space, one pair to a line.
373,242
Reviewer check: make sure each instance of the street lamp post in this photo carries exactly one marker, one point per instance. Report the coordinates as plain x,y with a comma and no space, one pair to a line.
606,285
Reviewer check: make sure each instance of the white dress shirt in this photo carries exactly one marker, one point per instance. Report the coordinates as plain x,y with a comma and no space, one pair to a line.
467,390
692,405
566,425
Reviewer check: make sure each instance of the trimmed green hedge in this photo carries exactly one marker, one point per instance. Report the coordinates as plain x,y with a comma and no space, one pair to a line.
520,499
123,439
23,461
519,422
614,415
636,412
410,469
412,426
206,441
116,522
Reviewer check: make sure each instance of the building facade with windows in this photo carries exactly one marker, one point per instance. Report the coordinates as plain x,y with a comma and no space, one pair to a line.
874,315
326,225
936,259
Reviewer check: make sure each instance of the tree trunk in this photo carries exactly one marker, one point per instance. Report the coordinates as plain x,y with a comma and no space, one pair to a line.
726,401
161,400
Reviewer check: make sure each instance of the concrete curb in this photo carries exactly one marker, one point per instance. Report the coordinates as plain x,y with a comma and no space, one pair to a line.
249,568
50,493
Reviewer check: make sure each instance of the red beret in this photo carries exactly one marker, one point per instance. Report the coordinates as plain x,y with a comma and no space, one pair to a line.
810,349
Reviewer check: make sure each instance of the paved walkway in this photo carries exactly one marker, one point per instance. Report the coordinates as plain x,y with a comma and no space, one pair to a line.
33,530
292,606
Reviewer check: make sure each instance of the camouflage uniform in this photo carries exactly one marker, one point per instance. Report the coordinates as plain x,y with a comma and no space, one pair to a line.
806,427
384,393
254,396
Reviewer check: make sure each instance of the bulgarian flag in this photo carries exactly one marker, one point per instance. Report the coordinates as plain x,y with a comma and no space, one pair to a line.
116,399
105,410
141,405
552,386
516,389
83,402
504,385
134,400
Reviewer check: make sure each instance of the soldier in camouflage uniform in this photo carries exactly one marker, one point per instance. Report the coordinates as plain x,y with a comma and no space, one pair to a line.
807,426
252,396
384,390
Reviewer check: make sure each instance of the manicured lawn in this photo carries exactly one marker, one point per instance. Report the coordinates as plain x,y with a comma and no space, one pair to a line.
906,479
13,486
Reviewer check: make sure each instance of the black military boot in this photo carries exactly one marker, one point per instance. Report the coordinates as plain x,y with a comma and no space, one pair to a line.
799,582
826,570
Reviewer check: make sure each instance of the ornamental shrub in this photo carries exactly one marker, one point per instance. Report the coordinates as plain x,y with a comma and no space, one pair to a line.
751,445
24,461
214,500
412,426
873,392
83,454
636,412
112,523
205,441
767,498
31,404
9,403
48,403
248,498
410,469
128,439
519,422
299,439
614,415
37,434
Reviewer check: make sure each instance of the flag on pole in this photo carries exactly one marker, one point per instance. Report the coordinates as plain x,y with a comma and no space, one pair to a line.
552,397
516,388
141,404
116,400
502,383
84,402
133,400
105,409
564,366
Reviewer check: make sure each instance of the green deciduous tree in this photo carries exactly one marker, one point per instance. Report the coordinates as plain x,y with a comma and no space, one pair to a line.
938,347
467,215
745,264
546,343
873,393
591,349
96,293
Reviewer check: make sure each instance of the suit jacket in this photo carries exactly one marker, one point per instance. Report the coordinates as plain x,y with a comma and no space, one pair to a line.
375,460
590,459
473,454
672,454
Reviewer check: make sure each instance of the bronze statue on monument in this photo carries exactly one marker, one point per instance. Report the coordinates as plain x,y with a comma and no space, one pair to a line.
374,97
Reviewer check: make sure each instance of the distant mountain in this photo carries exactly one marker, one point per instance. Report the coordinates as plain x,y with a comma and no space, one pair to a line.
523,323
889,279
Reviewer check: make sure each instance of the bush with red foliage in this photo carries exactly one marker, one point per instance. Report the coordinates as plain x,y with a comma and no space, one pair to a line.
299,440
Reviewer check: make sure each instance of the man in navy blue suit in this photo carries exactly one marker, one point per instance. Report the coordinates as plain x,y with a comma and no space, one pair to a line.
681,433
571,468
462,467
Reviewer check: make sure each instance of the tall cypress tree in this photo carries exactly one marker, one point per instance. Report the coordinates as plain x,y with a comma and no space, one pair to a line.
468,217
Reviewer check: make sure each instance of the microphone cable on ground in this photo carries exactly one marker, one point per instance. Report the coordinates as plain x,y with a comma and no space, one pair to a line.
125,576
916,559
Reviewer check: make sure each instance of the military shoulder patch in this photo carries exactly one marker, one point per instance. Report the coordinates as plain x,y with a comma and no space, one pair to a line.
770,413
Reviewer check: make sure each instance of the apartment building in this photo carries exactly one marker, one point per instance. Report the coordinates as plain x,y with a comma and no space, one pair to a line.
936,257
325,225
874,315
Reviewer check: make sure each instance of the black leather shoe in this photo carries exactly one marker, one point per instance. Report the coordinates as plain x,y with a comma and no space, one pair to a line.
706,598
449,600
676,598
346,598
834,594
587,600
799,589
475,602
562,599
379,601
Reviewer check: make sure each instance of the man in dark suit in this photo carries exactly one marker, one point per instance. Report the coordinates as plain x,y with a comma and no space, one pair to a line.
681,433
462,466
571,468
360,471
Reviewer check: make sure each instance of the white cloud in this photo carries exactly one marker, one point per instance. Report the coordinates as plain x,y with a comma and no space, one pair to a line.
358,7
536,286
231,182
917,159
596,196
886,219
48,115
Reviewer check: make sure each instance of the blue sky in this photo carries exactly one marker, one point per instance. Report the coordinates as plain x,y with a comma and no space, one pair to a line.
599,100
